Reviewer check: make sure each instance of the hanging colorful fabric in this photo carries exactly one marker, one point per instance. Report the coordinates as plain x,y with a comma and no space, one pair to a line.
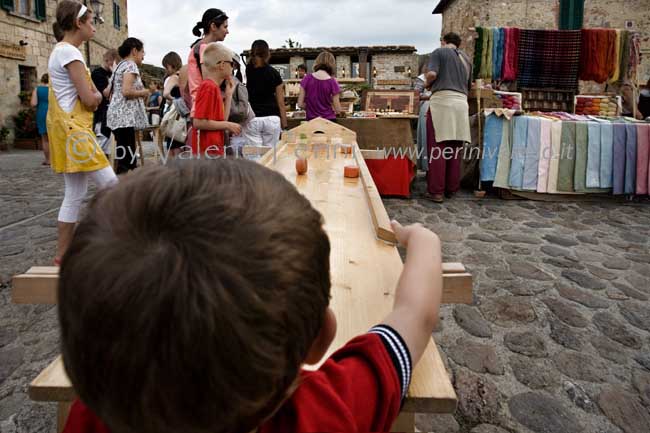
642,159
478,52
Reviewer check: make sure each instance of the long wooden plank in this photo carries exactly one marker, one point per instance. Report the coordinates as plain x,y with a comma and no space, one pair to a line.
380,219
39,285
364,269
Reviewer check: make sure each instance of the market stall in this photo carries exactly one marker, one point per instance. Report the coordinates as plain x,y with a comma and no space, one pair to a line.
567,143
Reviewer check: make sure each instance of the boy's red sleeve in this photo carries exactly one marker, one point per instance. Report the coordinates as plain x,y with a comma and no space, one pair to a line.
360,388
205,100
83,420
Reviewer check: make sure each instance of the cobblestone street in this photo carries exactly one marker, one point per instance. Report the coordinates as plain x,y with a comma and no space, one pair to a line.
557,340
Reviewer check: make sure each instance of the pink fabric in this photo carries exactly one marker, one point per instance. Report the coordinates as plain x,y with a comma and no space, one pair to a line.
194,77
545,154
510,55
643,160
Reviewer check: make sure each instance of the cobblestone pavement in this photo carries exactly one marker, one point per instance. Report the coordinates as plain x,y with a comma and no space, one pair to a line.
557,340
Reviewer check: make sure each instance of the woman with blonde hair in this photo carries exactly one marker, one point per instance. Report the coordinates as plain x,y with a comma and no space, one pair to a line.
319,92
73,98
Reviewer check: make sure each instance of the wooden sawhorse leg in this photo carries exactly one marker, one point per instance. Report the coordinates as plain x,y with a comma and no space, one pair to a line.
62,412
405,423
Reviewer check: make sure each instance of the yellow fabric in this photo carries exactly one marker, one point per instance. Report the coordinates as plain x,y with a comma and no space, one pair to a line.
73,146
617,71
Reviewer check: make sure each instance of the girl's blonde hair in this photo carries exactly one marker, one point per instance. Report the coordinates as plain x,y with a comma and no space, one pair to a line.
325,62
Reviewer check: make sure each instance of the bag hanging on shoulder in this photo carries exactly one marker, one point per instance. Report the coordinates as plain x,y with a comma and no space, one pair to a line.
174,125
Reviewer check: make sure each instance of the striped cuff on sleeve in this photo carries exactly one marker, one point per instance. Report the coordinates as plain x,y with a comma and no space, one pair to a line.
398,352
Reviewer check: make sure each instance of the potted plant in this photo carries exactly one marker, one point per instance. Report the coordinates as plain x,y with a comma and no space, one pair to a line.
26,130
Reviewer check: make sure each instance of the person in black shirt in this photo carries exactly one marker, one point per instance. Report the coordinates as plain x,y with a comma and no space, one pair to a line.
101,76
266,96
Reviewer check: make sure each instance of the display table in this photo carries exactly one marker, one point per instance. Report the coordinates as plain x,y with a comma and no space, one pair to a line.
394,136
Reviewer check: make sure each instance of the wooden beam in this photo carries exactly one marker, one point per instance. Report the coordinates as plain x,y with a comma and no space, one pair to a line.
39,285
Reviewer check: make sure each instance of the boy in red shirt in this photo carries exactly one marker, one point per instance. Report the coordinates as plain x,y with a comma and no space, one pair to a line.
171,324
209,121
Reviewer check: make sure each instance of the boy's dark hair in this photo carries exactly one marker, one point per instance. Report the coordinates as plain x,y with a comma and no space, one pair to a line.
302,67
190,296
128,45
452,38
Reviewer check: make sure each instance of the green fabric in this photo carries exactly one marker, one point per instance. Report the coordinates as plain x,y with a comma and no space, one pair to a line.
478,52
505,153
625,55
486,57
571,14
488,65
567,157
582,153
582,143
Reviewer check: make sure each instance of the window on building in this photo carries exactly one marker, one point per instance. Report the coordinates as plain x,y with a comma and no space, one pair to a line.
24,7
571,14
117,19
29,8
27,75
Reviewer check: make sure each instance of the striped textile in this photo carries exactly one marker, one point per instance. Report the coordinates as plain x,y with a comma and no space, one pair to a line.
549,58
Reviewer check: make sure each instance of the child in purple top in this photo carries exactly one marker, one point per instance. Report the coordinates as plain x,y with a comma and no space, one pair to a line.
319,92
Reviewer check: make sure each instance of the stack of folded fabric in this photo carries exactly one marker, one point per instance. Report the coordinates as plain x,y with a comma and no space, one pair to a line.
597,106
509,100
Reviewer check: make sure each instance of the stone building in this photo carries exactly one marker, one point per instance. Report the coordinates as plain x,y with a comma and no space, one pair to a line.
382,67
462,15
26,40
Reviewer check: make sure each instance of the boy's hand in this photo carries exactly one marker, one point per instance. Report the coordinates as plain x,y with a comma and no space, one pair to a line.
405,234
233,128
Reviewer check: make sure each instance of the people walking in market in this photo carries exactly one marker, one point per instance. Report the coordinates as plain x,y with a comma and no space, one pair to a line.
213,27
40,102
101,77
126,112
450,79
73,97
266,96
319,92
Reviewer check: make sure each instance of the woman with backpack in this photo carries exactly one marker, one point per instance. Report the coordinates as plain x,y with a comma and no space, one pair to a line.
213,27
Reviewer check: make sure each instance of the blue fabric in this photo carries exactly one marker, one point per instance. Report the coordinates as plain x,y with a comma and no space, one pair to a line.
618,172
491,143
41,109
497,53
606,154
531,163
593,155
519,137
423,159
630,159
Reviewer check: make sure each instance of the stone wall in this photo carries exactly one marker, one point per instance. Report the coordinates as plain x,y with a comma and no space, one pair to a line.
40,42
461,15
392,70
343,63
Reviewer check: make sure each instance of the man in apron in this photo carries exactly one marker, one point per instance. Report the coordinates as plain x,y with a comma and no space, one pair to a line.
450,79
